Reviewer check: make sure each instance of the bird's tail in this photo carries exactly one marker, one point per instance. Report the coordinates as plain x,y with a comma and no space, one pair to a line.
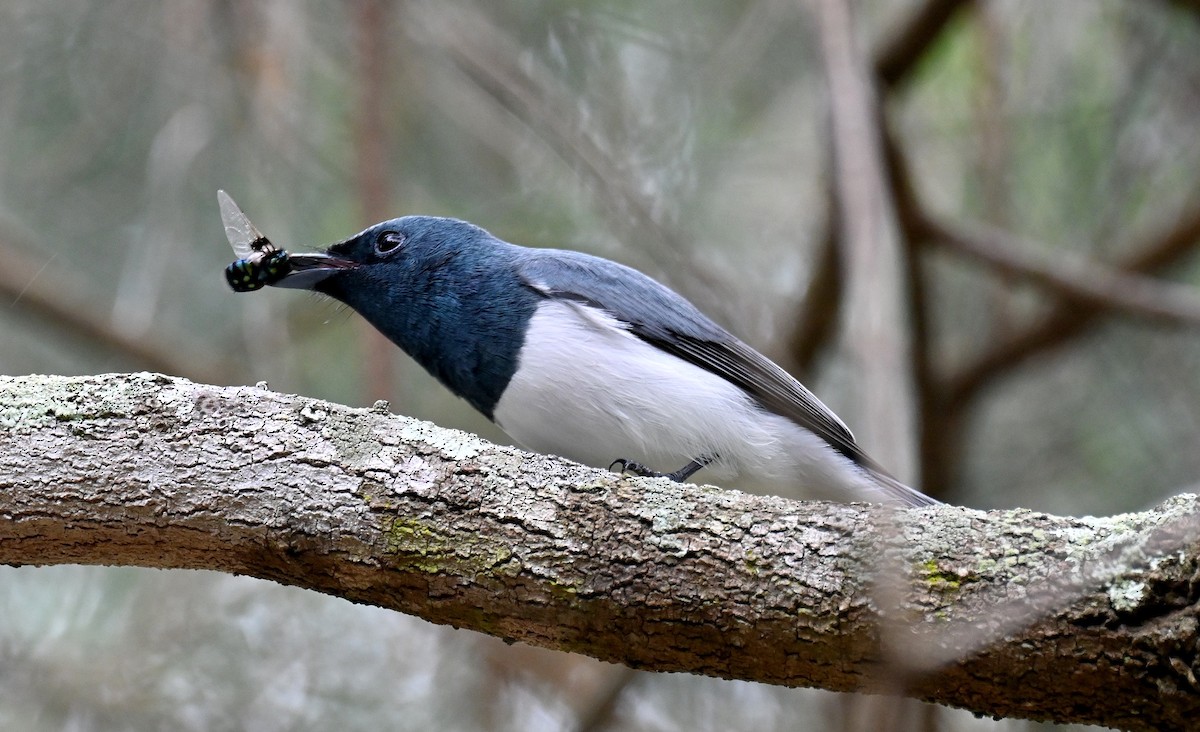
893,491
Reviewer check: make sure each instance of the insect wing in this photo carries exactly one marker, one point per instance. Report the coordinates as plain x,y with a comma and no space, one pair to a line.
243,236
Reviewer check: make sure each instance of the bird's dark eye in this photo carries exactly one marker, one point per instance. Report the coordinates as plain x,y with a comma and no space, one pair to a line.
388,242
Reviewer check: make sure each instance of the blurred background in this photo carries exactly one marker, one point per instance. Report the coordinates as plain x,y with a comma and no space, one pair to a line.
1040,202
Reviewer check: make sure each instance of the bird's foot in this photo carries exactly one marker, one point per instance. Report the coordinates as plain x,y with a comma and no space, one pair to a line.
629,466
687,471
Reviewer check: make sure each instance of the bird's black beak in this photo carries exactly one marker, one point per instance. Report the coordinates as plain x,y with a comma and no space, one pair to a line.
309,269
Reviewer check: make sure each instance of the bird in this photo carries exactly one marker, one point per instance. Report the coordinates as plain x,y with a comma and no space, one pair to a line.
578,356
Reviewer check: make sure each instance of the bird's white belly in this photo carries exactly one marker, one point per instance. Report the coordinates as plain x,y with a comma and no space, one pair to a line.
588,390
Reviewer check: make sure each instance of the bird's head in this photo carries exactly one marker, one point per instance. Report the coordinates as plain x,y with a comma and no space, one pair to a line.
443,290
390,254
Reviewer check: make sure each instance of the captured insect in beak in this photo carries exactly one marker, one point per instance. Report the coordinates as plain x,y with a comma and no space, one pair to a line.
259,261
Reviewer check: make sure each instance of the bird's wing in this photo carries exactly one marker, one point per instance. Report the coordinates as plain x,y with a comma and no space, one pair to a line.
661,317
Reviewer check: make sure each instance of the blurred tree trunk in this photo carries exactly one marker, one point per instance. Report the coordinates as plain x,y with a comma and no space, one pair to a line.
876,318
371,162
1007,613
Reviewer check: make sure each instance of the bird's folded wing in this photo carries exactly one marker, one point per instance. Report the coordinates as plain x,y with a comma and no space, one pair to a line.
662,318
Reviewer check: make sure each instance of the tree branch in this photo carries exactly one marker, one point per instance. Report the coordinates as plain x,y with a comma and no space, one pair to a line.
1004,613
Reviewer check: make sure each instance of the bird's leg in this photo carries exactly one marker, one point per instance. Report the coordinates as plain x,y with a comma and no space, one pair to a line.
687,471
690,469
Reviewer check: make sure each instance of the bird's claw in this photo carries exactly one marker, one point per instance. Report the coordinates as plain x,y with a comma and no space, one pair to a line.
629,466
687,471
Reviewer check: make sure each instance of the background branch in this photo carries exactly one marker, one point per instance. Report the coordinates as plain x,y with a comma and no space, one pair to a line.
61,301
895,60
1067,320
155,471
1069,277
1086,291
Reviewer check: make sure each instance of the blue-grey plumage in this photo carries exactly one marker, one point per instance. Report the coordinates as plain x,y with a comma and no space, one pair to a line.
585,358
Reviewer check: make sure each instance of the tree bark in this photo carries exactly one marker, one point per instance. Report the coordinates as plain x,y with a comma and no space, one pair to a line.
1005,613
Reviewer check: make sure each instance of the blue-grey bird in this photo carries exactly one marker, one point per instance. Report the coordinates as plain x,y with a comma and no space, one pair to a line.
581,357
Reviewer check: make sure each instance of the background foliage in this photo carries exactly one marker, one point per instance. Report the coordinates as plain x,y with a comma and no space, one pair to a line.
689,139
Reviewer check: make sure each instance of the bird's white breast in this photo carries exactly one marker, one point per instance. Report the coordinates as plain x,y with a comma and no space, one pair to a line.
589,390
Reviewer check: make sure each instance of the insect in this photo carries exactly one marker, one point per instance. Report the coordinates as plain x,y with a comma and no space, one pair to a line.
259,261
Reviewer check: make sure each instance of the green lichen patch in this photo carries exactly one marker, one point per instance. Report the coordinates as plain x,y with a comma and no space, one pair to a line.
424,546
938,580
413,537
944,580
